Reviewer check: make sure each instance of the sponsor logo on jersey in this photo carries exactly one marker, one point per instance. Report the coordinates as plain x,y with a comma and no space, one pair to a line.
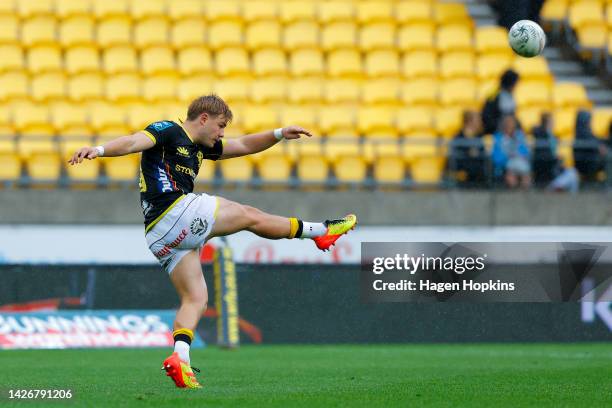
159,126
199,226
163,179
182,151
185,170
200,158
146,206
177,241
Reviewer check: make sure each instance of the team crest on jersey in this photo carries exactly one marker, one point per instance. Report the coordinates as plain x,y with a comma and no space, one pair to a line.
200,158
182,151
199,226
159,126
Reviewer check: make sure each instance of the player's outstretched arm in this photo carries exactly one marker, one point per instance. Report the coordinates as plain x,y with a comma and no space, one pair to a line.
121,146
259,142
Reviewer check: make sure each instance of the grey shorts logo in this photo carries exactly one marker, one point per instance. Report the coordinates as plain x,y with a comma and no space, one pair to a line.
199,226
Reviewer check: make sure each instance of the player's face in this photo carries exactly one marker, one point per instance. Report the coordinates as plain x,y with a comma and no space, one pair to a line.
212,128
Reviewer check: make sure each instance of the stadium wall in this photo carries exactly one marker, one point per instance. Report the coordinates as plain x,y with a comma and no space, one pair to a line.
373,207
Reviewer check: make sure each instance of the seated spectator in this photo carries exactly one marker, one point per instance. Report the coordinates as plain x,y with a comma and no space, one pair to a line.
468,151
589,152
546,163
511,154
501,103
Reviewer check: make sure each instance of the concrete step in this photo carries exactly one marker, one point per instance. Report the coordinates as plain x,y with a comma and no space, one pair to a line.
565,67
589,82
600,97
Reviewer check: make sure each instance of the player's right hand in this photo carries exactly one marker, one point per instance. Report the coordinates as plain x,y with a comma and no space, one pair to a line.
88,153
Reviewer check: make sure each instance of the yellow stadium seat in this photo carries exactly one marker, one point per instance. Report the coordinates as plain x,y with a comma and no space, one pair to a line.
120,59
585,12
492,39
448,121
529,117
312,170
459,92
27,146
122,169
305,90
14,85
76,31
38,31
593,36
564,123
48,87
160,88
457,65
535,68
415,122
301,115
86,172
224,34
44,59
65,9
114,31
263,34
70,120
454,38
602,118
492,66
337,120
240,171
301,34
9,29
427,170
140,115
106,9
226,10
123,88
374,12
188,33
570,94
259,10
140,10
554,10
304,148
232,61
157,60
270,90
275,167
193,87
415,37
81,59
258,118
532,93
334,11
233,90
293,11
338,36
350,168
608,16
486,88
306,63
6,128
44,167
344,63
151,32
377,36
8,8
381,91
11,167
451,13
108,119
419,64
413,149
85,87
341,90
185,9
12,58
376,122
32,8
269,62
423,91
194,61
32,119
382,63
389,169
410,12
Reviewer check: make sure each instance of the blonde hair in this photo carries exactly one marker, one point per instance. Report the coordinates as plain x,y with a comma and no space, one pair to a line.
211,104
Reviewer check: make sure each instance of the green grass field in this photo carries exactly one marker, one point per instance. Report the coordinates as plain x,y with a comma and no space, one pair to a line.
543,375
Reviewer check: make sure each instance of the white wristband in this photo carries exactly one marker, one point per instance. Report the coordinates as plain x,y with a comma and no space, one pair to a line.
100,150
278,133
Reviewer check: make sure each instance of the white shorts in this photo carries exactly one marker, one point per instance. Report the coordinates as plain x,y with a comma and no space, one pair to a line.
184,228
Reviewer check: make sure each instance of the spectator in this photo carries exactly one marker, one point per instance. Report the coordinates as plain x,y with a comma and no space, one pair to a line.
511,154
468,151
546,163
501,103
589,152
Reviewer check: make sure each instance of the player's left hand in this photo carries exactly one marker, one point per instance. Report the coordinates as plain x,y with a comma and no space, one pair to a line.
295,132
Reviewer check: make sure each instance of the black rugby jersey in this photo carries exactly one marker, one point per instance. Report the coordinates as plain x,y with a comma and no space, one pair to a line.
168,169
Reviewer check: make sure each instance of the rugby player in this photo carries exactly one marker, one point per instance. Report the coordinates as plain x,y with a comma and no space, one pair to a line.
179,222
